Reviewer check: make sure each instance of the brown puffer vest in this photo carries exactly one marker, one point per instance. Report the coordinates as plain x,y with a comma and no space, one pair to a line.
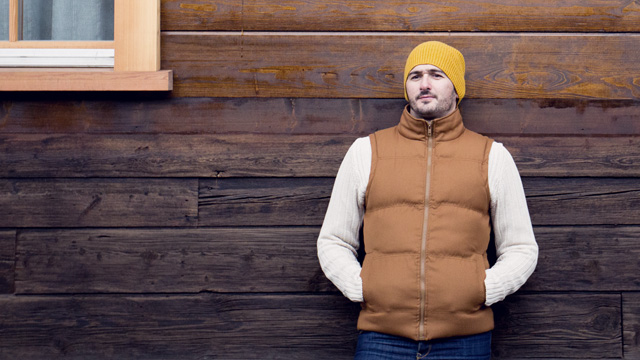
426,230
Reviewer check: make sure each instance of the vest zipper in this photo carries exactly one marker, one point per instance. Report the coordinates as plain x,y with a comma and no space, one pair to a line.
423,249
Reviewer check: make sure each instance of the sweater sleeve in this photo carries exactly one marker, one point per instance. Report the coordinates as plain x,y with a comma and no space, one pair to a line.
516,246
338,241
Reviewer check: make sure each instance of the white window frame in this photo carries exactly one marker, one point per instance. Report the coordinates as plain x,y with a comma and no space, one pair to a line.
88,58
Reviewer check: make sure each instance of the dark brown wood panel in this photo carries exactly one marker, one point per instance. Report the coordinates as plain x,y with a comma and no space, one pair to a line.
171,202
255,155
558,326
275,260
35,155
563,201
7,260
277,326
169,261
590,258
583,201
177,327
98,202
575,156
269,202
501,117
138,114
381,15
371,65
631,321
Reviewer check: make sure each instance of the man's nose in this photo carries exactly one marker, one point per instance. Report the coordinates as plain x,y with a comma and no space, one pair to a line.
425,83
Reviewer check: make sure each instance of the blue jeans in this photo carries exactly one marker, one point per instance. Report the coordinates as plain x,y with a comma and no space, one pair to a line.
377,346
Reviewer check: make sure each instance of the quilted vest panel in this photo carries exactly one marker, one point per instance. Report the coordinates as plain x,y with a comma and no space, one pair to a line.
426,230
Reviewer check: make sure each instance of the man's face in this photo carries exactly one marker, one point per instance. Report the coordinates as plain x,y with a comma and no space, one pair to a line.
430,92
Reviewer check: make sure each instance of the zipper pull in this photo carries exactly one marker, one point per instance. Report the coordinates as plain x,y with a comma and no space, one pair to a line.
429,129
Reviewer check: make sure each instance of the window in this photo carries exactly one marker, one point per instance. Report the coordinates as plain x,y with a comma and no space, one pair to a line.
81,45
4,22
65,20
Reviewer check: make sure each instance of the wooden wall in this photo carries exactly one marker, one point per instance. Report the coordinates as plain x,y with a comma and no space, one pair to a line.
183,225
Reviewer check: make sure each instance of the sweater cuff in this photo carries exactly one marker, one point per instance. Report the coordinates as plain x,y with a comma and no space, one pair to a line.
494,291
354,293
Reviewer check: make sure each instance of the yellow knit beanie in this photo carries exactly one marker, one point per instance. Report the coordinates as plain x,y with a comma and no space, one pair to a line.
445,57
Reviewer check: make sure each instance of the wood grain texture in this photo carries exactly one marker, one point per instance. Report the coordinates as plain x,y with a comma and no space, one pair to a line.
171,202
631,321
83,79
586,258
7,261
202,326
281,155
180,156
574,156
138,113
299,326
272,259
98,202
371,65
268,202
169,261
381,15
589,324
136,33
14,20
563,201
583,201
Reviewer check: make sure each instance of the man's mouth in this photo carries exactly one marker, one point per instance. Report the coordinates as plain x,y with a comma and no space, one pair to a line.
425,96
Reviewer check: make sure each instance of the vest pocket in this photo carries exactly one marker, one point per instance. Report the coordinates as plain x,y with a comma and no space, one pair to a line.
389,282
455,284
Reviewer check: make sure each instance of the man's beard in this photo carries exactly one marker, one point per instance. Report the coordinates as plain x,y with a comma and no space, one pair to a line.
442,106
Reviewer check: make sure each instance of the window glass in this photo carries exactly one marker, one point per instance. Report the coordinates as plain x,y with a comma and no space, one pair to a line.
65,20
4,20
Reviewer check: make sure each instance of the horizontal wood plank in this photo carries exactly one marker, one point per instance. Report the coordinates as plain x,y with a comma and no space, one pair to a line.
631,321
255,155
144,114
583,201
563,201
37,155
299,326
246,64
269,202
581,326
381,15
574,156
590,258
275,260
178,327
98,202
7,261
168,260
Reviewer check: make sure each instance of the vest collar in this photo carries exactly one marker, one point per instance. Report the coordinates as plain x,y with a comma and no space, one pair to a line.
446,128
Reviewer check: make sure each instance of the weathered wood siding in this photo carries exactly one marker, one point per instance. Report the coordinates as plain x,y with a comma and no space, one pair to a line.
183,225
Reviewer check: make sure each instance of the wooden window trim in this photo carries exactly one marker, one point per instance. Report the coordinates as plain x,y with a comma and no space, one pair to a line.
137,56
57,44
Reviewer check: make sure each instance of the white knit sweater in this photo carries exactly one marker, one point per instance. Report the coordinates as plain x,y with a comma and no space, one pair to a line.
516,246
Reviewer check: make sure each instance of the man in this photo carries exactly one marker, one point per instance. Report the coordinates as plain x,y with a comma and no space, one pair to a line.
427,193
